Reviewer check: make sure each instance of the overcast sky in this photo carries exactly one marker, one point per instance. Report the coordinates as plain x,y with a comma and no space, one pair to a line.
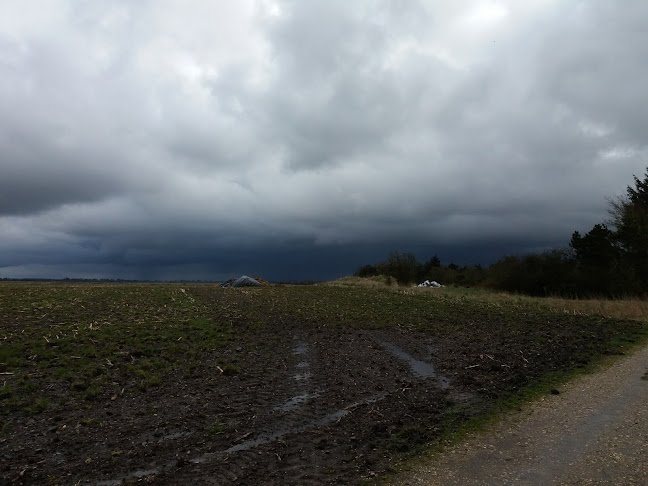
203,139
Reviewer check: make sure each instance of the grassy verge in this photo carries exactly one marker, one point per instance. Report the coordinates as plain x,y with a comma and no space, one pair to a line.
629,308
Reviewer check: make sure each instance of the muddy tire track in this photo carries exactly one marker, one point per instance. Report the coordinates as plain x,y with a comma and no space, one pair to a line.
318,409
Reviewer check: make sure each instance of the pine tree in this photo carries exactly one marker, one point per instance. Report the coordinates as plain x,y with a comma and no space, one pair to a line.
630,218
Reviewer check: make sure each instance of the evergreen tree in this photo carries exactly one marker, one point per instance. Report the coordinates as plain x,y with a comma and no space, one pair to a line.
597,248
630,217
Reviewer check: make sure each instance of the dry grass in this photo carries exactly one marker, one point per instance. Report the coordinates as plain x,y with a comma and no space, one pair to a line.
636,309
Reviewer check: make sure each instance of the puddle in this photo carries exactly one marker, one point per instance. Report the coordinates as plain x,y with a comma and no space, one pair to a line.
153,437
278,434
301,348
272,436
142,473
418,367
296,401
263,438
301,376
158,436
139,474
421,369
176,435
266,438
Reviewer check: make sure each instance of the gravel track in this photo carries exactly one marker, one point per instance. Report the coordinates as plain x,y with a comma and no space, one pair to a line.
595,432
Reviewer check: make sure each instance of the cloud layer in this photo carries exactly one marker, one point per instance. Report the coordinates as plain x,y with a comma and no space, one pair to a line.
197,139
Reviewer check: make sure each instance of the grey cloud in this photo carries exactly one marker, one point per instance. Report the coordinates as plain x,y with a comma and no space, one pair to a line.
140,140
334,97
58,143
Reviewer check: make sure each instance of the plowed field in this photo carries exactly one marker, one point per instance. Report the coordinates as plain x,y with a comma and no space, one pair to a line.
109,384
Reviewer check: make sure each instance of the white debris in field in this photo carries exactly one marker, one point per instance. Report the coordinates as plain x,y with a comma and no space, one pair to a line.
433,283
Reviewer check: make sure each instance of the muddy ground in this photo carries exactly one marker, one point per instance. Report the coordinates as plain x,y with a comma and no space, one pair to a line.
287,399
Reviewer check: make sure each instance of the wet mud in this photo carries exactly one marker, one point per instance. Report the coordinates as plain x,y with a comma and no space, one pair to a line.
306,402
316,407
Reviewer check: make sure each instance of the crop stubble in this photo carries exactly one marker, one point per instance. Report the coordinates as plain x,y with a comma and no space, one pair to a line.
190,383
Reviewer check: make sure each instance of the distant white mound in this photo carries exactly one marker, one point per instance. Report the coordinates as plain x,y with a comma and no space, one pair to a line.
243,281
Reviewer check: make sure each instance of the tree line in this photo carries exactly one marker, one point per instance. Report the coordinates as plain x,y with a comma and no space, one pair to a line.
610,260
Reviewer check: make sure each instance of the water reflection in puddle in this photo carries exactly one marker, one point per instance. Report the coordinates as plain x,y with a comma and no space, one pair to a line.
139,474
278,434
296,401
302,376
266,438
263,438
158,436
301,348
421,369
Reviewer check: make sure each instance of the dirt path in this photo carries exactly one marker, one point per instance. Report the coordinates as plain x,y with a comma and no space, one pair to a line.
594,432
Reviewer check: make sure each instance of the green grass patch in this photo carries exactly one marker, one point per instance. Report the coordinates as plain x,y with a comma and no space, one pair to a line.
216,429
38,406
6,391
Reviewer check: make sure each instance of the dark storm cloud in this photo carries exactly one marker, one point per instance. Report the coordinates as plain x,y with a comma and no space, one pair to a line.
38,175
199,139
63,136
